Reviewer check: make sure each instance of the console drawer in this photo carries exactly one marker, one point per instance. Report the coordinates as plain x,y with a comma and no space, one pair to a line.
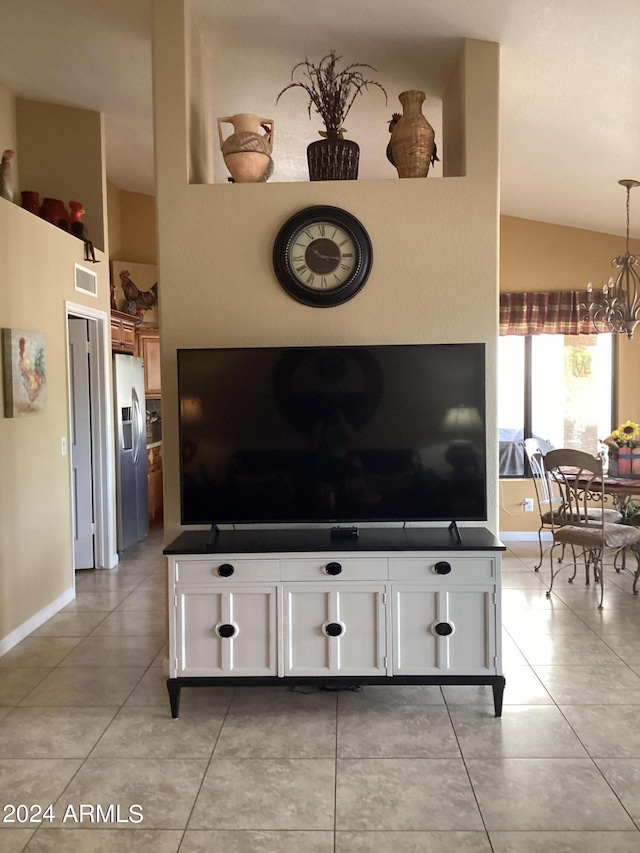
227,570
463,570
345,568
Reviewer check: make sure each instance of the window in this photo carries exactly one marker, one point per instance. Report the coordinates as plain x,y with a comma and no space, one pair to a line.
558,388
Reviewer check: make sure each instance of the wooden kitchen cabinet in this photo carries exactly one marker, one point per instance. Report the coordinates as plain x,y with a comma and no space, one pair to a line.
148,348
154,482
123,332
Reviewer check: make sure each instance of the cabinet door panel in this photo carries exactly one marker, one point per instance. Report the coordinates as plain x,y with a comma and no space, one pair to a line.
470,649
466,613
340,631
415,646
247,618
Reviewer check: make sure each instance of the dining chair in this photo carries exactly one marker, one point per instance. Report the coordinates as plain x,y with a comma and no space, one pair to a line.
575,474
548,503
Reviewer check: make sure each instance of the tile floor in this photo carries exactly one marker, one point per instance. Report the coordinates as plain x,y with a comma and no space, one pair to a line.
84,721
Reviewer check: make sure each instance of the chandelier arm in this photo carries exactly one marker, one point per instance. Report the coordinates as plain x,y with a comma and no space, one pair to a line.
617,308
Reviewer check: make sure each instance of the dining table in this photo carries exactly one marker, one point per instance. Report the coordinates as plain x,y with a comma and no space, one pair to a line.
621,492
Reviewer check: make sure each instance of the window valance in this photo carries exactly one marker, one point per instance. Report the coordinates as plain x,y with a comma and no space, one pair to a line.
555,313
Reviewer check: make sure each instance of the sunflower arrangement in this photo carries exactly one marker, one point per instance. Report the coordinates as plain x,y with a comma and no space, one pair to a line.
625,435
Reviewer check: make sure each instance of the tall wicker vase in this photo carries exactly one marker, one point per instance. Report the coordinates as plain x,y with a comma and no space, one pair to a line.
247,151
412,137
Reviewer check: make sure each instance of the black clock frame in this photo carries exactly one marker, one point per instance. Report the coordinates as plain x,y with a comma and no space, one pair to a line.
292,284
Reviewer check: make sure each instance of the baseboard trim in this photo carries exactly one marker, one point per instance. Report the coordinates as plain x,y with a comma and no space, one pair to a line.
523,536
35,621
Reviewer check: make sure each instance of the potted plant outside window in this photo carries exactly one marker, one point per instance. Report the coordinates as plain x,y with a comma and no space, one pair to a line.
331,94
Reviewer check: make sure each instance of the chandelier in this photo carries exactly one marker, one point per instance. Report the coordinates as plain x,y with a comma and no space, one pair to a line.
617,308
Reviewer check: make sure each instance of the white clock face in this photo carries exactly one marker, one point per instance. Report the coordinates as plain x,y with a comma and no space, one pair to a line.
322,256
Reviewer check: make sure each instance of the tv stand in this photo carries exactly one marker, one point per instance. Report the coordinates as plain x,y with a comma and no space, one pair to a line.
389,606
344,532
213,534
453,528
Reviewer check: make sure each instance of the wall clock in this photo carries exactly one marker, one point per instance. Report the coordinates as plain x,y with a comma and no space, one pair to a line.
322,256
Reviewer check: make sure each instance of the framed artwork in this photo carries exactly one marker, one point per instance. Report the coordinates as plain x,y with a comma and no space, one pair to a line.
24,372
134,290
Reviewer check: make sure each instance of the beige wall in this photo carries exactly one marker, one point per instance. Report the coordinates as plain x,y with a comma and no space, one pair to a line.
37,273
217,282
132,226
114,221
8,126
538,256
36,560
61,156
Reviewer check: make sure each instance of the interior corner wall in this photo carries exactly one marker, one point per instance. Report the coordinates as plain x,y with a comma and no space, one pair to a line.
199,103
139,241
453,118
435,246
114,221
61,156
131,219
8,126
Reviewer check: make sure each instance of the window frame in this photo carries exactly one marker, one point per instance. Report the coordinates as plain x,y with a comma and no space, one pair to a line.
528,401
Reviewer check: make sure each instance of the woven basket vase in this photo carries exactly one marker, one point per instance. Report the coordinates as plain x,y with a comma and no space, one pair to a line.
412,137
333,159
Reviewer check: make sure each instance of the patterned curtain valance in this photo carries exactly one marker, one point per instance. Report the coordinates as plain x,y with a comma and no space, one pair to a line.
555,313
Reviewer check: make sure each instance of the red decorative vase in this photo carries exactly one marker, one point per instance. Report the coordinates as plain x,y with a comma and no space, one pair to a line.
31,201
54,211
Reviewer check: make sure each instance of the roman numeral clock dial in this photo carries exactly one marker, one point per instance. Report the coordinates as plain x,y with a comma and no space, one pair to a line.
322,256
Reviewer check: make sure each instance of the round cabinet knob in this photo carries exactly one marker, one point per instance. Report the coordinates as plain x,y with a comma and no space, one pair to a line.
443,629
333,629
226,630
442,568
333,568
225,570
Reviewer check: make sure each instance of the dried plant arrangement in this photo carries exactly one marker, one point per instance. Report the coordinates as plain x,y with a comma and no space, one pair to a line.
331,92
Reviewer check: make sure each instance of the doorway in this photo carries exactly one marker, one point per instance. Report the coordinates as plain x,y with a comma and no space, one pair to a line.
91,458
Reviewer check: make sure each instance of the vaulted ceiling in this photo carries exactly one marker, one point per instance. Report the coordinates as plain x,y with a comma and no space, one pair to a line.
569,99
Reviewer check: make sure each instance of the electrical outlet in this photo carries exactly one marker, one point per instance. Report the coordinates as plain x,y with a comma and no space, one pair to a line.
527,504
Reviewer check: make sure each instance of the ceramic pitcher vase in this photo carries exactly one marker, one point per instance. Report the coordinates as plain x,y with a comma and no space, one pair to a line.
247,151
412,137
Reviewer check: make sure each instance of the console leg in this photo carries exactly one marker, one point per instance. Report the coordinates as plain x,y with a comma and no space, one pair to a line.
498,692
173,686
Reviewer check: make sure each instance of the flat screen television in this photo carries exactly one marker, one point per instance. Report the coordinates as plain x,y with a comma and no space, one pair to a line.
345,434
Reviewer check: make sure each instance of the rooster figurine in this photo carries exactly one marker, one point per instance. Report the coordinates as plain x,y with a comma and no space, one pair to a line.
395,118
138,301
80,230
6,175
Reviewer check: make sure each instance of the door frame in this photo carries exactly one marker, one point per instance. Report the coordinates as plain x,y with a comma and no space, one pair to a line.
102,451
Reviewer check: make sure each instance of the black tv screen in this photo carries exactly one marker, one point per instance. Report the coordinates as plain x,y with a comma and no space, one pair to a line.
387,433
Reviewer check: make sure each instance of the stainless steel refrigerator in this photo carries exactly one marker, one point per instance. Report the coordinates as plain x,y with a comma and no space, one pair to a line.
131,450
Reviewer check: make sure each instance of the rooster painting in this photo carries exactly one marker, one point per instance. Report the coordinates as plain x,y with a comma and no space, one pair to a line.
137,301
32,372
24,372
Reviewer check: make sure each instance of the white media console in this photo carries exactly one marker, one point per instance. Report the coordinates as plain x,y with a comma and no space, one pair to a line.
390,606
